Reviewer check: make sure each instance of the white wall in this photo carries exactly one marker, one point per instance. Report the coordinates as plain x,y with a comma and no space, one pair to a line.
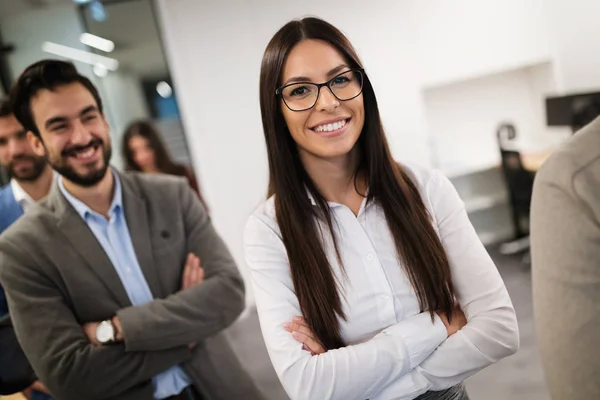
461,39
124,98
28,30
215,48
463,117
574,31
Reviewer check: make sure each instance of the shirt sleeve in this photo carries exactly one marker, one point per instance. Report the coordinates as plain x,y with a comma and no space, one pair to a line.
352,372
565,248
491,332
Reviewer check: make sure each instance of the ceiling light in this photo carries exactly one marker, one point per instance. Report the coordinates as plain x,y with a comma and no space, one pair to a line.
100,70
80,55
97,42
164,90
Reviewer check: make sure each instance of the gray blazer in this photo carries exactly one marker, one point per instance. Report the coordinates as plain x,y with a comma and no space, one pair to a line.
565,245
57,277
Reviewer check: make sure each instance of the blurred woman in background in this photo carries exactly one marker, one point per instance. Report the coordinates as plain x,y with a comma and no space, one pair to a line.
144,151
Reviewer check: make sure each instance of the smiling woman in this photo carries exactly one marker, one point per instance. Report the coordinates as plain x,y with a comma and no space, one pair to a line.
335,131
364,269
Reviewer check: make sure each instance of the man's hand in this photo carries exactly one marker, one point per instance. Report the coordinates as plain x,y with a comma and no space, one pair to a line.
193,273
303,334
90,331
39,387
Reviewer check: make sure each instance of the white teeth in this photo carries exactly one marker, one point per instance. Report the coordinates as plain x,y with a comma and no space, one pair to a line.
85,154
331,127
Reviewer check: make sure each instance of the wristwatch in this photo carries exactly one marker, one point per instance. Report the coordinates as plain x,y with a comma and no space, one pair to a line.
105,332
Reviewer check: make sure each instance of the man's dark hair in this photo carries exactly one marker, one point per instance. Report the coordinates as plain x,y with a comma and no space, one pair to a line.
5,108
49,75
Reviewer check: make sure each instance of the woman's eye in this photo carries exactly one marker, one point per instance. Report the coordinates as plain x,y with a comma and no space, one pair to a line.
299,91
340,80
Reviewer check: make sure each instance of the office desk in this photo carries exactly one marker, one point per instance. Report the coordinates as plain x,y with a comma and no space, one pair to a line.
533,161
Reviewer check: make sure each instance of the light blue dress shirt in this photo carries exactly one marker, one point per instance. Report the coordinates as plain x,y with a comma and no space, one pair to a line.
113,235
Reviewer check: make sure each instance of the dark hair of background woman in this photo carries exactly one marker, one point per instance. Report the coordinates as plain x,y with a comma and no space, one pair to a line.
418,246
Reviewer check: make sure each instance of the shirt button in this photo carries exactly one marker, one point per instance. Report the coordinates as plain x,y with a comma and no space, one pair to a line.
385,296
370,256
128,270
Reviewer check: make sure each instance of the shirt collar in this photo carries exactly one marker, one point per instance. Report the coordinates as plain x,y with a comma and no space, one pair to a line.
20,194
331,204
310,197
84,210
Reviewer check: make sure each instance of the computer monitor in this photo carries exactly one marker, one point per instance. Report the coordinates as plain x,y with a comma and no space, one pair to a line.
576,110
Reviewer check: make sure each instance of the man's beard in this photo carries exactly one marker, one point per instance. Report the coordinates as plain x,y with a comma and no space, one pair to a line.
89,179
30,174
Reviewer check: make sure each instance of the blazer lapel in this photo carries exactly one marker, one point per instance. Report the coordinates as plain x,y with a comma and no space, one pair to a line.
139,230
85,243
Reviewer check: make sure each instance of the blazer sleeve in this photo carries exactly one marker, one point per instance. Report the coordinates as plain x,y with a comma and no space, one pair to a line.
200,311
55,344
565,245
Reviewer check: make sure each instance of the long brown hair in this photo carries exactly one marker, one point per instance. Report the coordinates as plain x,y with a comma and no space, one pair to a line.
418,246
164,163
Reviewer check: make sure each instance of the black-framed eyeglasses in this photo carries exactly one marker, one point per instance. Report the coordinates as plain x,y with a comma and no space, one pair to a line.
302,96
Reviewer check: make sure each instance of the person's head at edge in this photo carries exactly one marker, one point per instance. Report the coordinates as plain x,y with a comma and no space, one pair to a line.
345,131
143,150
16,155
63,114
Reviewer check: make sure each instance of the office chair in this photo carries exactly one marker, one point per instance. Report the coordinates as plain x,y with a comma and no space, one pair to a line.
519,183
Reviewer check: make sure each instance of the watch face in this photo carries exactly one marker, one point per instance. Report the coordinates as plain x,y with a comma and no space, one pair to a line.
104,332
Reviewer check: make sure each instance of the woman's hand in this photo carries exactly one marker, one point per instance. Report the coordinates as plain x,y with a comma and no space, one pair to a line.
303,334
458,320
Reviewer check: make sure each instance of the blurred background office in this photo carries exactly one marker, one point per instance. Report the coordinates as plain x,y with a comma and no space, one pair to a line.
116,44
483,90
